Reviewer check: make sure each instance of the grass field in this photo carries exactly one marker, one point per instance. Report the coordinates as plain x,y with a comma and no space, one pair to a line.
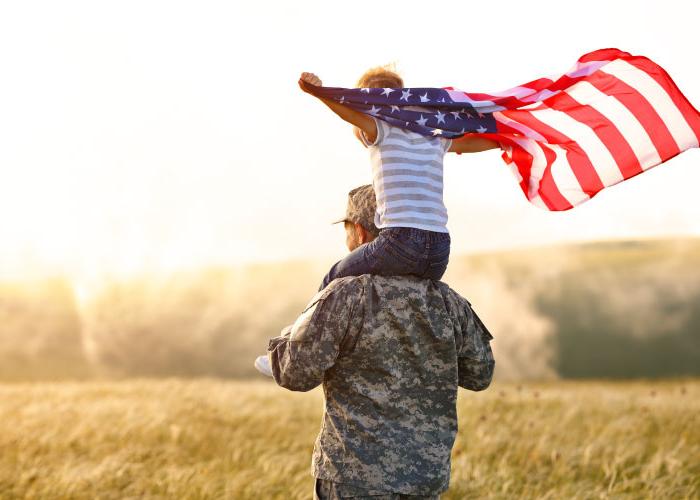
210,438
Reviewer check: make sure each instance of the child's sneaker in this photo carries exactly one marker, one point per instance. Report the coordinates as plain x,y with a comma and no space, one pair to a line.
262,364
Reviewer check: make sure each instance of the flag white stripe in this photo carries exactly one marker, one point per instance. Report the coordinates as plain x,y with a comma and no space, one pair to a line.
485,106
603,161
537,201
514,168
539,160
539,163
658,98
516,92
564,177
561,171
518,126
539,96
585,69
628,125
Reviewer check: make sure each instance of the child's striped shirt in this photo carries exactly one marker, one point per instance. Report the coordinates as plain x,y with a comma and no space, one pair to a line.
407,178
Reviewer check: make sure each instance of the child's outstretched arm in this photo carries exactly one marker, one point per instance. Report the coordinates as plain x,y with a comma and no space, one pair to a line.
469,143
360,120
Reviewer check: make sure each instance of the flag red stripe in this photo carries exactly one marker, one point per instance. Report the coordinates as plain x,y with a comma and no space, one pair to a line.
622,138
564,82
523,160
661,77
549,191
580,163
520,156
504,101
604,55
644,112
607,132
504,128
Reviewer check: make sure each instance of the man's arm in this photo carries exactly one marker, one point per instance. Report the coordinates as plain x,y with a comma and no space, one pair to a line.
360,120
475,359
469,143
300,358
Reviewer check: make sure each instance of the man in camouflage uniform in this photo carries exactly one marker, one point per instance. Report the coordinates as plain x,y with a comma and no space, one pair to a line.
390,353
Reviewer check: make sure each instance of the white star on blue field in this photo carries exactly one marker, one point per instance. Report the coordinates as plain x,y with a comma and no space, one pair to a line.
427,111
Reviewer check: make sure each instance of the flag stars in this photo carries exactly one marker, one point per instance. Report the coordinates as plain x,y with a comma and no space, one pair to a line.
455,114
481,129
422,121
374,111
424,98
405,94
395,108
440,117
437,131
364,90
386,92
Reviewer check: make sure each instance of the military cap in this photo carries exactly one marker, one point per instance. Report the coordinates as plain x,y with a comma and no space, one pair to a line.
362,205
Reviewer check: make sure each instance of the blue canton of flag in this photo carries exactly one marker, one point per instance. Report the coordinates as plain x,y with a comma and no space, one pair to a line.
427,111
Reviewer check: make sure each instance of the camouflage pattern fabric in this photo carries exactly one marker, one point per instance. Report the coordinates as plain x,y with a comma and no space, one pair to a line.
390,352
326,490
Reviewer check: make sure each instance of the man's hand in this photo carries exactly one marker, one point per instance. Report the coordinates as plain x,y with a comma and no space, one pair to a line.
310,79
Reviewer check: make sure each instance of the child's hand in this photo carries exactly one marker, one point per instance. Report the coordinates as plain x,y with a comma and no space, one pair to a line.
310,79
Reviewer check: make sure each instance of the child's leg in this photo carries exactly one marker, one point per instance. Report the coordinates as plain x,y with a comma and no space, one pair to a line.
385,255
438,250
356,263
416,251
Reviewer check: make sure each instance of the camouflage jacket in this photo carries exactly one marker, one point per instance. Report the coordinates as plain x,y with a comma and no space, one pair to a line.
390,352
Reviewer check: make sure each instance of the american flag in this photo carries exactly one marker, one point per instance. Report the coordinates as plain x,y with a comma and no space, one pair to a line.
610,117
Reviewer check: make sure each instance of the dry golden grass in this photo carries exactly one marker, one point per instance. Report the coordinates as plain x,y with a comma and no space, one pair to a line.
208,438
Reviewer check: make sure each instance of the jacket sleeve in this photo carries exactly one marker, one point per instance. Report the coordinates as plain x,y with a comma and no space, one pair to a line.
300,357
474,356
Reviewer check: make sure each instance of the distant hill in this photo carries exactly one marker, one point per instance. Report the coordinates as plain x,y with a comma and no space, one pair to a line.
609,309
614,309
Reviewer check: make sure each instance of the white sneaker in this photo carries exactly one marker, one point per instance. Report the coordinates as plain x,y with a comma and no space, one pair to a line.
262,364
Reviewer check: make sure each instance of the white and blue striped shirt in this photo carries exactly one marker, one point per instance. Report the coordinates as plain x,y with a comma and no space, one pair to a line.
407,178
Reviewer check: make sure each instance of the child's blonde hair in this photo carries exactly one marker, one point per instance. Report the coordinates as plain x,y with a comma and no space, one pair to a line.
381,77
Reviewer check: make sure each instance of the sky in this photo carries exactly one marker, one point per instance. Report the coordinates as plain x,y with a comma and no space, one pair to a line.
152,135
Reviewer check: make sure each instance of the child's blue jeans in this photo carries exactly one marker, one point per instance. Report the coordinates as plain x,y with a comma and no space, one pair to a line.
396,251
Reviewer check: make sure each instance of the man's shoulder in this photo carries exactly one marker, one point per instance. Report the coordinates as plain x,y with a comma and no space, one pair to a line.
347,287
346,284
412,282
406,282
395,288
